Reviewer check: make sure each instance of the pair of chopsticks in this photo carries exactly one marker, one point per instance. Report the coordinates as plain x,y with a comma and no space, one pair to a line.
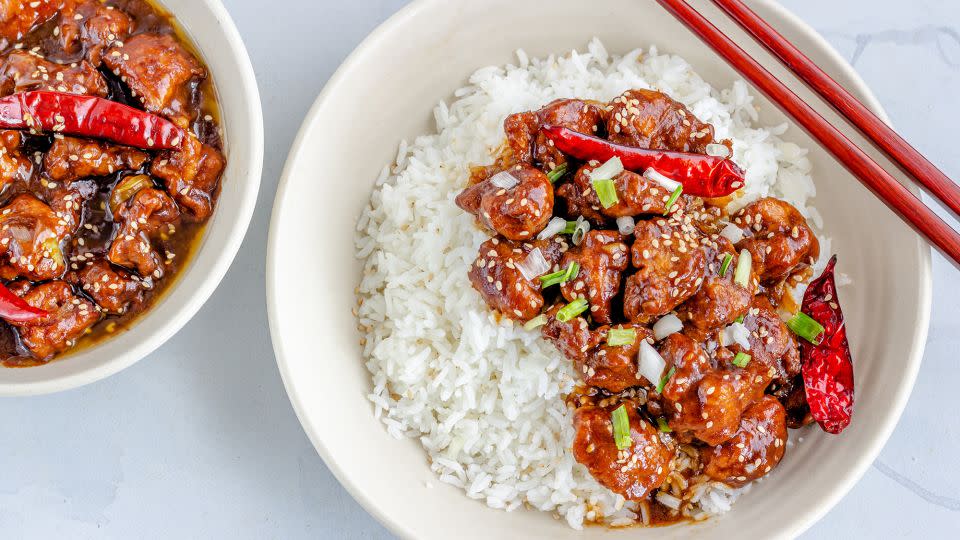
873,176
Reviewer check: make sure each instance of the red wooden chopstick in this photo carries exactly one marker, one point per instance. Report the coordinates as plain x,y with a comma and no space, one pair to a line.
902,153
871,175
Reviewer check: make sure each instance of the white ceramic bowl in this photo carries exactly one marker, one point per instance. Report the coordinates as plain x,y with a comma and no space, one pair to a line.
214,34
385,91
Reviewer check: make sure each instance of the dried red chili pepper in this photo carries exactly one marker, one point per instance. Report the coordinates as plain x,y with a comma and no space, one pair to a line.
88,116
827,366
16,309
701,175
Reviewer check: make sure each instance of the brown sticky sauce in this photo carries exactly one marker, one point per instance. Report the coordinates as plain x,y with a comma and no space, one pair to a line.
148,17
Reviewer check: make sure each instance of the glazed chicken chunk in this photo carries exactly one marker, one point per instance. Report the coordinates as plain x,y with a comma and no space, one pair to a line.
160,71
25,71
670,268
17,17
517,212
632,472
191,176
68,316
89,27
30,240
651,119
112,288
636,196
496,276
778,236
756,447
529,145
772,344
71,158
720,300
148,213
13,164
602,257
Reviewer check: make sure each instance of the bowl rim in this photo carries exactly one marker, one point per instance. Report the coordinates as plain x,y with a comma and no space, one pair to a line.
250,173
803,521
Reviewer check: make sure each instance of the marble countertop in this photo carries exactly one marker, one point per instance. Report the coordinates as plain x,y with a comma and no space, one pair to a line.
199,441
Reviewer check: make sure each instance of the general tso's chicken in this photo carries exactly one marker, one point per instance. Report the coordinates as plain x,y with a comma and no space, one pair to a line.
518,212
779,238
112,288
13,164
614,367
68,203
68,316
632,472
755,449
602,257
720,300
17,17
160,71
636,196
573,338
89,27
670,268
148,212
191,176
30,240
71,158
500,282
652,119
530,145
23,71
772,345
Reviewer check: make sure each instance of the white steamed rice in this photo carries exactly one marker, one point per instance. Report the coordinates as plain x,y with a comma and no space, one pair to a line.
485,397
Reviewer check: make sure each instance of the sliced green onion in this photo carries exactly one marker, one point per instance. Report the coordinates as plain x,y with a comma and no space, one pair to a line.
535,322
610,168
606,192
741,275
560,276
673,199
580,231
663,426
740,319
621,427
571,226
806,327
741,359
618,337
557,172
725,265
665,378
572,309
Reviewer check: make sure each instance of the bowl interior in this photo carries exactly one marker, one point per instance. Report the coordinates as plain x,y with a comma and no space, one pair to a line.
214,35
386,91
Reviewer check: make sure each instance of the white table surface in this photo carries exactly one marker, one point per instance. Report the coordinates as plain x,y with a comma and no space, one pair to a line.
199,441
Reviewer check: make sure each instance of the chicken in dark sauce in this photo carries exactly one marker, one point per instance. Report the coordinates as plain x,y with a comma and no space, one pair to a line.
94,225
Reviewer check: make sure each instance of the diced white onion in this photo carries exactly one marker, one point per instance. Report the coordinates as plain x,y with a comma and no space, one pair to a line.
650,364
668,500
504,180
732,233
608,170
668,183
626,224
553,228
718,150
744,264
534,265
735,333
583,227
668,324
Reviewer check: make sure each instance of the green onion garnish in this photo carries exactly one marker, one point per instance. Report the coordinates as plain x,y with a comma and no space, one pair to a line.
618,337
560,276
663,426
606,192
557,173
621,427
741,359
665,378
740,319
725,265
572,309
571,226
806,327
535,322
673,198
741,275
